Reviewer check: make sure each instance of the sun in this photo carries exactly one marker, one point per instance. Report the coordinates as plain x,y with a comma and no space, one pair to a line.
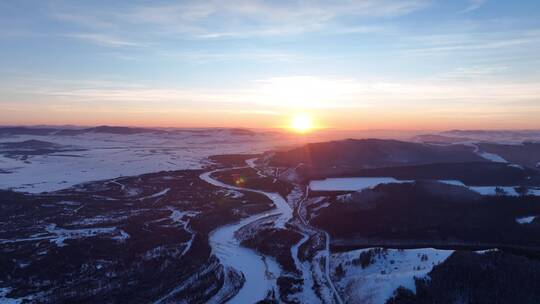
301,123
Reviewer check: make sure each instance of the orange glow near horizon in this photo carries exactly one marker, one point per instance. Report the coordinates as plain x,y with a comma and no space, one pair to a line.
302,123
396,118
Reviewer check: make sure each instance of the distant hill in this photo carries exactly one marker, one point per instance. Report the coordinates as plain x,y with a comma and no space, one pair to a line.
338,157
44,131
469,173
26,131
57,131
24,149
28,144
105,129
212,131
514,136
526,154
431,212
242,132
440,139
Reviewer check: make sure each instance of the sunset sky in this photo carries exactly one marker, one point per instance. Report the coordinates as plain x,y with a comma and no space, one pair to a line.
366,64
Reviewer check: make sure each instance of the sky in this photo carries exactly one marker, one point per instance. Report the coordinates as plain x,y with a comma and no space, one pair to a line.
349,64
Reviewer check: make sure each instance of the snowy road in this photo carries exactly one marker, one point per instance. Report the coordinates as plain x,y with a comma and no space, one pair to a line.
326,252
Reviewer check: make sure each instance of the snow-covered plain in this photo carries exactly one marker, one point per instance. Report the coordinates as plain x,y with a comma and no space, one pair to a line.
99,156
350,183
388,270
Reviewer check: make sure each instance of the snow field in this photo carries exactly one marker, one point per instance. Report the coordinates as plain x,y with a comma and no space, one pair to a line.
388,270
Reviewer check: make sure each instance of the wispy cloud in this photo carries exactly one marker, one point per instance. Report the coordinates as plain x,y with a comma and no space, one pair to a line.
474,72
472,41
235,18
104,40
205,57
300,92
474,5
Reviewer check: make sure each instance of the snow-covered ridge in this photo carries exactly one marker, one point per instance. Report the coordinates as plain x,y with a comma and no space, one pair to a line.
370,276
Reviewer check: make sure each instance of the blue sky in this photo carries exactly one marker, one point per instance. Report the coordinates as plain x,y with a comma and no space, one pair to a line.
350,64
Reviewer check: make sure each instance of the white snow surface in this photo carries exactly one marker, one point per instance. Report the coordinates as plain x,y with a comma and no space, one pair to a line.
350,183
486,251
156,195
390,269
58,235
492,157
260,272
182,219
108,156
486,155
5,300
526,219
99,219
308,295
490,190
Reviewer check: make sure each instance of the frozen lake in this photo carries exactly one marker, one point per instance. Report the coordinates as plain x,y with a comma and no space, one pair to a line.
360,183
350,183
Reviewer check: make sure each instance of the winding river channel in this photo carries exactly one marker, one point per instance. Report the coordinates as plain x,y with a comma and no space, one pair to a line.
260,272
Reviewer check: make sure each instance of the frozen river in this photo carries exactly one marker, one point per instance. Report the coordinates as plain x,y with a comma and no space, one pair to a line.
260,272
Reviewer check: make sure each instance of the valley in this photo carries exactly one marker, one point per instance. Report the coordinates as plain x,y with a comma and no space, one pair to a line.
269,228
